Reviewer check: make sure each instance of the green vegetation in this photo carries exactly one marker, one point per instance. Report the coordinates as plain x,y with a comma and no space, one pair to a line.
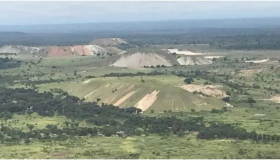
78,107
8,63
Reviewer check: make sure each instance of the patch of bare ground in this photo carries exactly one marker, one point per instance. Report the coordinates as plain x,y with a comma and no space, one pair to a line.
147,101
209,90
184,52
258,61
275,99
141,59
247,72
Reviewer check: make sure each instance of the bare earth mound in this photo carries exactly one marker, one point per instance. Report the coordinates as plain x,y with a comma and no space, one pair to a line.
141,59
106,42
18,49
58,51
209,90
193,60
147,101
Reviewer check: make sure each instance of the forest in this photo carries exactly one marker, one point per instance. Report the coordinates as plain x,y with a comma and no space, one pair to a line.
8,63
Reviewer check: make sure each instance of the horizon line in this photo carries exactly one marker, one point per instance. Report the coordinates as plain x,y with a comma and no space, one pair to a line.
73,23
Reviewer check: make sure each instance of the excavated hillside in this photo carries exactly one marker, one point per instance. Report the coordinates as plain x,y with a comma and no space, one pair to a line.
18,49
158,93
58,51
193,60
142,59
107,42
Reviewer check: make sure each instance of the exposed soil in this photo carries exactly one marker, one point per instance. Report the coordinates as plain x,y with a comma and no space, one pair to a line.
212,57
141,59
247,72
209,90
147,101
258,61
275,99
185,52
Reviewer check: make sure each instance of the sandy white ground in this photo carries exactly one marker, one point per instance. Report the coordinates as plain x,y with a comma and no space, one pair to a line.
258,61
212,57
184,52
140,59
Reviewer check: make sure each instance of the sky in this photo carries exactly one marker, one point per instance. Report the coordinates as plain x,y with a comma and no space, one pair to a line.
63,12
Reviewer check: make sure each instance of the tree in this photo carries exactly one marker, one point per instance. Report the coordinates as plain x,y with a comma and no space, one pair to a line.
30,126
26,141
188,80
250,100
98,99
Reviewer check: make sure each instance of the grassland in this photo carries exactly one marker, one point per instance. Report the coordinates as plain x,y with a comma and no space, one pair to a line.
262,116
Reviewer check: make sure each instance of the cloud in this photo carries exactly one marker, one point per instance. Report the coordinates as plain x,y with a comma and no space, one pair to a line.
33,12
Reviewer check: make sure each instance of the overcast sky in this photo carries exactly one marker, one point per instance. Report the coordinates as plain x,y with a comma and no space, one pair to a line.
14,13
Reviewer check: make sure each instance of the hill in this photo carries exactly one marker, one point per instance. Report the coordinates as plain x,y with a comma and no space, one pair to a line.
141,59
18,49
58,51
157,93
193,60
107,42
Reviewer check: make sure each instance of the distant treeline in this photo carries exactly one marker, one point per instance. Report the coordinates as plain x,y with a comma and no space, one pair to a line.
107,120
8,63
153,73
156,73
8,54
